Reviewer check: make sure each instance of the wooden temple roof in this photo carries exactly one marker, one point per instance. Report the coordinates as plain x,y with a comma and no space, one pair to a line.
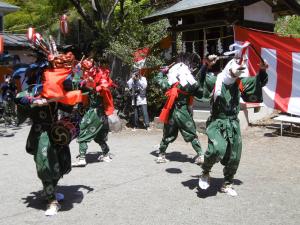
185,7
6,8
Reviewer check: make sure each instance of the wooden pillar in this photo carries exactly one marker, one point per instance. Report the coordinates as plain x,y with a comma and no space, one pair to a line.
221,38
173,23
204,44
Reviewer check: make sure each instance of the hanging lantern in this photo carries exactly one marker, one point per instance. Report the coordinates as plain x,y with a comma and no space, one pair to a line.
64,24
30,33
219,46
205,44
194,48
1,44
205,49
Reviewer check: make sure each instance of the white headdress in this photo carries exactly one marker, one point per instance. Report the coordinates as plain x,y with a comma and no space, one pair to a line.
181,73
237,49
235,66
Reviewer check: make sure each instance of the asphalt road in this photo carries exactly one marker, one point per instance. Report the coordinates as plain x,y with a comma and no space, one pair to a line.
134,190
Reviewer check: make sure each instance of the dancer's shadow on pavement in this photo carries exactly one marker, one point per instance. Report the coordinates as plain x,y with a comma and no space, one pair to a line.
72,193
92,157
174,170
174,156
215,186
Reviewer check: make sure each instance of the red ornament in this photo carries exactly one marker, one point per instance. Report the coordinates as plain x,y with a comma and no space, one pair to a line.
30,33
1,44
87,64
64,28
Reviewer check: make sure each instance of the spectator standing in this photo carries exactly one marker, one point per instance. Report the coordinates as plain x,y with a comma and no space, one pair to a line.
138,84
9,91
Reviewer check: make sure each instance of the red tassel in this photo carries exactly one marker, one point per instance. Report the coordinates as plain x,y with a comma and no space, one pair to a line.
1,44
53,86
164,115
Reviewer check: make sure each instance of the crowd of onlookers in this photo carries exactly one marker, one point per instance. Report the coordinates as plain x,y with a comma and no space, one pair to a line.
7,104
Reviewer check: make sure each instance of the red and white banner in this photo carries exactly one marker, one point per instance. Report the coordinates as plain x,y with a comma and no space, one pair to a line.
139,57
283,56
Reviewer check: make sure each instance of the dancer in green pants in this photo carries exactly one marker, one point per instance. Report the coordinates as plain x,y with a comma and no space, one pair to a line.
223,127
52,160
48,139
177,113
93,126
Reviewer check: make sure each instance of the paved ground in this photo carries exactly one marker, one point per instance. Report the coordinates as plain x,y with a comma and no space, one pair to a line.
133,189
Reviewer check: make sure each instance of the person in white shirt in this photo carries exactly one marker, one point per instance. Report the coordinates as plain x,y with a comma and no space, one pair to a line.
138,84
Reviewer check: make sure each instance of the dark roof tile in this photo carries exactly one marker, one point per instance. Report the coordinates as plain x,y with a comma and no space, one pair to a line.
15,40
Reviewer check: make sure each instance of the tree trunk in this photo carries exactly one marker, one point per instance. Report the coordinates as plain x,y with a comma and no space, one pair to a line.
85,17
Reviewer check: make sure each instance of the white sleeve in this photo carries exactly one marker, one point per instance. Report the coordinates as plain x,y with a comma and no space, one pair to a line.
143,82
129,83
218,85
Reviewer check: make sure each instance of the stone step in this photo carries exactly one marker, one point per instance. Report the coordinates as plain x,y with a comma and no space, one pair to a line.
246,117
200,125
201,105
201,114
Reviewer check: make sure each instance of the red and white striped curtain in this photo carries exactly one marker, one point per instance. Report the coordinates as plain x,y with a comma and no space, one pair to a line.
283,56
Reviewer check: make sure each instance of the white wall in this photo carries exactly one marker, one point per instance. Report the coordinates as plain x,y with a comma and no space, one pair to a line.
260,12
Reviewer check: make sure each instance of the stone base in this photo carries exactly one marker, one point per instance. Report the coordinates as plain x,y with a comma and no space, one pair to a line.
247,115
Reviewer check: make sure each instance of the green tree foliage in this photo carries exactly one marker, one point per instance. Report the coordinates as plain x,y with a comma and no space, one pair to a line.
112,26
133,34
117,27
41,14
288,25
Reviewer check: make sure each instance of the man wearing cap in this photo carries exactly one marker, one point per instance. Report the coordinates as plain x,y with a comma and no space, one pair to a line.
138,85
